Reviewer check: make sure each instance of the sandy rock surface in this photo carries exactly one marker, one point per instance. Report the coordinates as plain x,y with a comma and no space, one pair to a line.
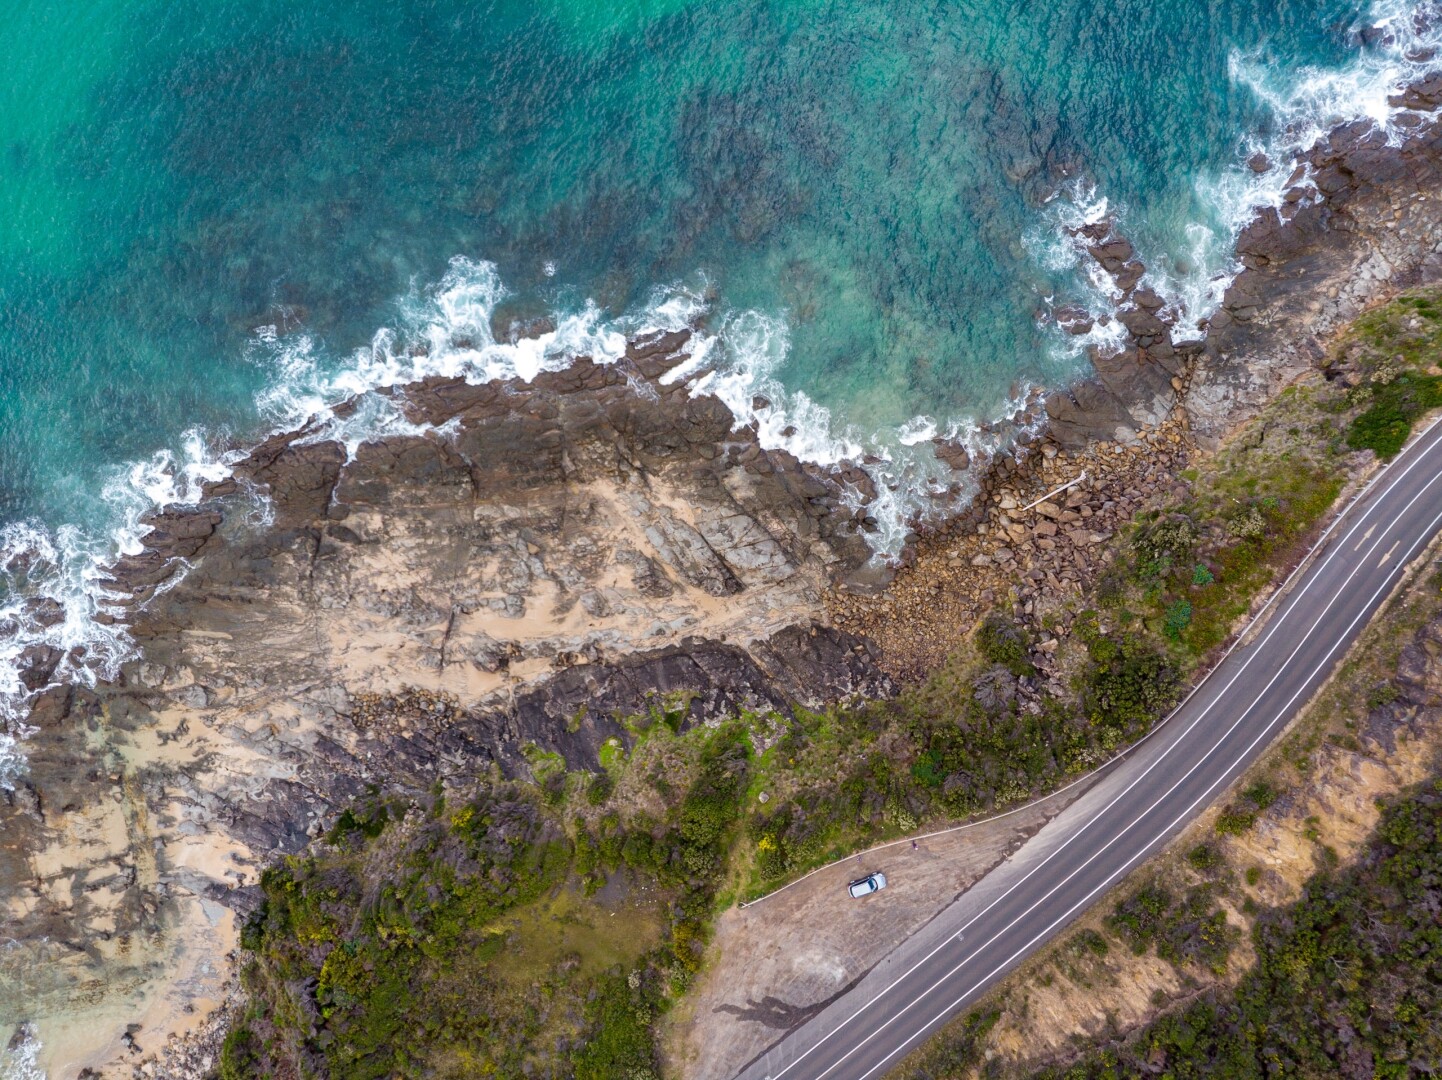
545,561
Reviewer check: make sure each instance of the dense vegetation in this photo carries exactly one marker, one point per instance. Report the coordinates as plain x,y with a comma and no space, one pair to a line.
1347,980
982,733
1389,357
466,940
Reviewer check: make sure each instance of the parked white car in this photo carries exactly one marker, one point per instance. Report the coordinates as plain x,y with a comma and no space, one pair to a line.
869,884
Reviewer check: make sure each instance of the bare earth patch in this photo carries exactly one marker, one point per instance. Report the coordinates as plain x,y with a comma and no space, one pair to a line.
776,963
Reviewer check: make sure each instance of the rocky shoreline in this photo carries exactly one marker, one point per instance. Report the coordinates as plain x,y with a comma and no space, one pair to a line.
1308,270
554,556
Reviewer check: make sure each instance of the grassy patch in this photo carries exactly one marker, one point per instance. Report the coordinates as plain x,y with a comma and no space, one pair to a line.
490,936
1389,356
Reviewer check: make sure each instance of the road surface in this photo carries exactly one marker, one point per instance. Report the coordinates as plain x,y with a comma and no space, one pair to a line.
1140,803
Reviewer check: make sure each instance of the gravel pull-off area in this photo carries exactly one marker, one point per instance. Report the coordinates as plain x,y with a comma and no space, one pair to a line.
780,961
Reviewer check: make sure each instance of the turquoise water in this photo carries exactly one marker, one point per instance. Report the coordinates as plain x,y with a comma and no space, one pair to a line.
869,171
865,201
878,185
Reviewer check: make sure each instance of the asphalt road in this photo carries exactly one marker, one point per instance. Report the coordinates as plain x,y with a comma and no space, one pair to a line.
1136,806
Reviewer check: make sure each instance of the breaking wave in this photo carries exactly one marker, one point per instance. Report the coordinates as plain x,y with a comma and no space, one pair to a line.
58,622
1397,43
736,356
20,1057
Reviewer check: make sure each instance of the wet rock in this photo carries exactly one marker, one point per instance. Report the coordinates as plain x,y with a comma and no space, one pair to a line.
952,453
1087,412
1334,248
1074,320
37,665
43,611
1112,253
1147,300
1129,275
1424,95
298,478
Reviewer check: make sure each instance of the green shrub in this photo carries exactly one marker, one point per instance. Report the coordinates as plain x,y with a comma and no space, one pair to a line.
1382,694
929,769
241,1055
1166,543
1091,941
1179,617
1002,642
1204,857
1383,428
1396,404
1186,930
367,820
1139,918
618,1040
1233,821
1260,794
599,789
1129,683
1247,524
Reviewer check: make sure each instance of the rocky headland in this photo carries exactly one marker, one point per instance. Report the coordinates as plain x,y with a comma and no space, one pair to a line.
551,557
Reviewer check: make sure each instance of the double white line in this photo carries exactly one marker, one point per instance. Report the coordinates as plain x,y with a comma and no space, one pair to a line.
1393,478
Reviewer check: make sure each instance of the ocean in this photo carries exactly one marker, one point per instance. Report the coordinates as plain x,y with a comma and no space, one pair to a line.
217,219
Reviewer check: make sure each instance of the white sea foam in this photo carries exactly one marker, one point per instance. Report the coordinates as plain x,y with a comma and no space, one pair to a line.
52,586
1300,107
1308,102
1052,242
444,331
21,1060
736,356
451,322
739,358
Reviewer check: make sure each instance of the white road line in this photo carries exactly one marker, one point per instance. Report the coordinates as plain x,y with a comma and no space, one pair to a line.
1141,853
1393,479
1162,798
1161,725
